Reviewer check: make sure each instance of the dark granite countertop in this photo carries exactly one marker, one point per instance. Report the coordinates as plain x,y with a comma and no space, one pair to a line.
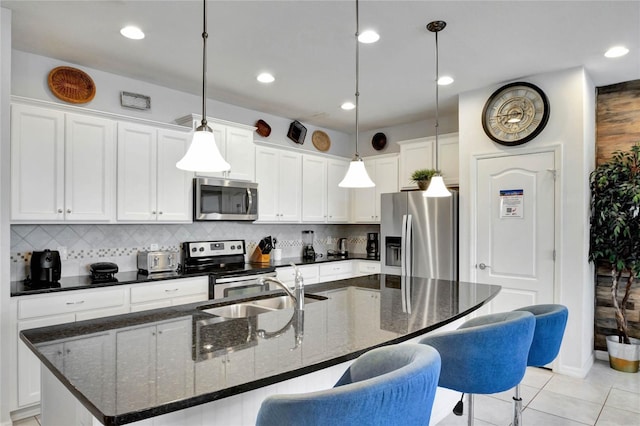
205,357
23,288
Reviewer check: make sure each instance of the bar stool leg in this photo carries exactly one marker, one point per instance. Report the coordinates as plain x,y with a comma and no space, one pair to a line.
470,409
517,407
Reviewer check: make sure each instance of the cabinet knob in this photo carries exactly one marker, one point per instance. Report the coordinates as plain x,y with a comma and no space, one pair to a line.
153,212
68,210
159,212
59,210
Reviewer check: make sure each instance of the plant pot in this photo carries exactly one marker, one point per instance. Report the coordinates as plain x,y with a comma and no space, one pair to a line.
624,357
423,184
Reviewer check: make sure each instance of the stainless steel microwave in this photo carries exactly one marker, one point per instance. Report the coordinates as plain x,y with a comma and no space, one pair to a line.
222,199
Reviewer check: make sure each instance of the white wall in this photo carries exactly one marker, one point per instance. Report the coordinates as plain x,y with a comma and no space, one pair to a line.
572,127
5,169
29,79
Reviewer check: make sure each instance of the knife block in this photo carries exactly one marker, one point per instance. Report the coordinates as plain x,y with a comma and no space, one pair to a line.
260,257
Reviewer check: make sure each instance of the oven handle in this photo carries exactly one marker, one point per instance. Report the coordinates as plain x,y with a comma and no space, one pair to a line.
243,278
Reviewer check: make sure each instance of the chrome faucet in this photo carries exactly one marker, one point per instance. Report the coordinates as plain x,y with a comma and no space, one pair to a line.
298,291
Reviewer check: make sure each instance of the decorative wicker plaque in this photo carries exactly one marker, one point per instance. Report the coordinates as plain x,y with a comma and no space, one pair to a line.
71,85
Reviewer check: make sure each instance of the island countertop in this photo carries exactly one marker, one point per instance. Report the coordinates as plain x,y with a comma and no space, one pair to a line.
131,367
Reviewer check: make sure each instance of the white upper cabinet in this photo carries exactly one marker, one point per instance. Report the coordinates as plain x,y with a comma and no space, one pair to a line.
278,173
150,186
366,201
323,201
235,143
420,154
62,166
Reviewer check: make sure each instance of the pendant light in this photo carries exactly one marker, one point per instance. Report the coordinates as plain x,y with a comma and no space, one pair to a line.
436,187
357,176
203,154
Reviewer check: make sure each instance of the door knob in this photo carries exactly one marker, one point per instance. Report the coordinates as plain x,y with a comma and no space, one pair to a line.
483,266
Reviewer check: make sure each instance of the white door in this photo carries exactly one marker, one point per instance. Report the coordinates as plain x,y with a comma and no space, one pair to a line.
515,237
314,189
337,198
240,153
290,187
364,199
267,169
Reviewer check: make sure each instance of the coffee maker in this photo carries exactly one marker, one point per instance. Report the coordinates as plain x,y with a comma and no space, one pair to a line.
372,245
45,266
308,253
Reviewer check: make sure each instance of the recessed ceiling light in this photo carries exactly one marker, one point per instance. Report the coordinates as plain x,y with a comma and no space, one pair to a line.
445,80
368,36
347,106
265,77
616,52
134,33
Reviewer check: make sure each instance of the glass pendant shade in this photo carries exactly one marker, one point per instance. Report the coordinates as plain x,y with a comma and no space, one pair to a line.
357,176
437,188
203,154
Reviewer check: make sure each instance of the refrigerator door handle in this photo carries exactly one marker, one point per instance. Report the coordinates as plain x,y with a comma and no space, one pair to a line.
403,238
408,255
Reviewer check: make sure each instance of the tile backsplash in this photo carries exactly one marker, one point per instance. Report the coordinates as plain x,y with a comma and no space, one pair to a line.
87,244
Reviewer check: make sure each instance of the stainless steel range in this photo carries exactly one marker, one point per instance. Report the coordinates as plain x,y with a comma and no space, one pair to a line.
224,261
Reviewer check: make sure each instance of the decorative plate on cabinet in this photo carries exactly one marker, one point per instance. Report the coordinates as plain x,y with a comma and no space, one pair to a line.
71,85
321,140
379,141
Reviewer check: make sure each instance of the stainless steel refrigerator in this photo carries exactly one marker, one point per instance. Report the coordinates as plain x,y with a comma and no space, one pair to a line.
419,236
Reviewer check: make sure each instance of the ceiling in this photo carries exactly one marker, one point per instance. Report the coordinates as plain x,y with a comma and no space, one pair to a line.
309,46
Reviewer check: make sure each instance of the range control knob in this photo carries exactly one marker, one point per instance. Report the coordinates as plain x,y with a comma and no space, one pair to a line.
193,249
233,247
201,249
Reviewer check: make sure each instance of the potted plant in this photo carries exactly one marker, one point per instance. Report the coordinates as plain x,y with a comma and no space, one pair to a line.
423,176
615,241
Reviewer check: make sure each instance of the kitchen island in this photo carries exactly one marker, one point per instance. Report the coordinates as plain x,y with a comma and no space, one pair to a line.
190,366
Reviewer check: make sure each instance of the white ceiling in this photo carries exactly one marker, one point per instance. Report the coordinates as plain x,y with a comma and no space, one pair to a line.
309,46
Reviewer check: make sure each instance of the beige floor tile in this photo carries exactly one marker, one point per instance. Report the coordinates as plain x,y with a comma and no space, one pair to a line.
453,420
629,401
29,421
615,417
578,388
493,410
527,393
538,418
565,406
536,377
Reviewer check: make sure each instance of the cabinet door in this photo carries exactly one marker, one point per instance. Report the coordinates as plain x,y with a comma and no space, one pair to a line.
37,163
89,363
314,189
338,321
364,199
386,179
137,177
135,369
337,198
174,371
448,158
90,164
413,156
289,177
240,153
174,185
267,171
29,364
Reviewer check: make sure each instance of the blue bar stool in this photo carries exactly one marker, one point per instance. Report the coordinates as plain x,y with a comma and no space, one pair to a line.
487,354
551,321
391,385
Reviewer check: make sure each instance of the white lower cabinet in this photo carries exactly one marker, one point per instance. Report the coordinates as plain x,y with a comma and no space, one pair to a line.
160,371
366,267
338,320
225,370
169,293
366,315
310,274
339,270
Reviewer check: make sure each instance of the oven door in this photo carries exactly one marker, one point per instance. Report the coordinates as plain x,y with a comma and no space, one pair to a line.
246,286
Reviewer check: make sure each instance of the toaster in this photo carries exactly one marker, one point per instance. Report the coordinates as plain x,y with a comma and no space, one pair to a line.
157,261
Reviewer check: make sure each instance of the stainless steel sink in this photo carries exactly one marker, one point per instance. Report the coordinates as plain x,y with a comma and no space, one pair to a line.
251,308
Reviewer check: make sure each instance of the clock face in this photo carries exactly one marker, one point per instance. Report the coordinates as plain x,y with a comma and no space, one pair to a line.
515,113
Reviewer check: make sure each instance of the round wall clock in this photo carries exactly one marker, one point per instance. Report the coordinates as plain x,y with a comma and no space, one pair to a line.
515,113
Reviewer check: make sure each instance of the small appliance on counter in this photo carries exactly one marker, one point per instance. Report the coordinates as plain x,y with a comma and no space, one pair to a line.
150,262
46,267
103,272
342,247
372,245
308,253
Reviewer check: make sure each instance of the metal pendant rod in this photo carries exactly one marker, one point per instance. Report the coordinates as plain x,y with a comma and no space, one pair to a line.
435,27
204,63
357,75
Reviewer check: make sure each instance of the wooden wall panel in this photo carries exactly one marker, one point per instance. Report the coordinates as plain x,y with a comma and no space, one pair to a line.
617,118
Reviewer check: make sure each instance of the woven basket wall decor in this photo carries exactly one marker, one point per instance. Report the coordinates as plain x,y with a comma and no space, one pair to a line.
71,85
